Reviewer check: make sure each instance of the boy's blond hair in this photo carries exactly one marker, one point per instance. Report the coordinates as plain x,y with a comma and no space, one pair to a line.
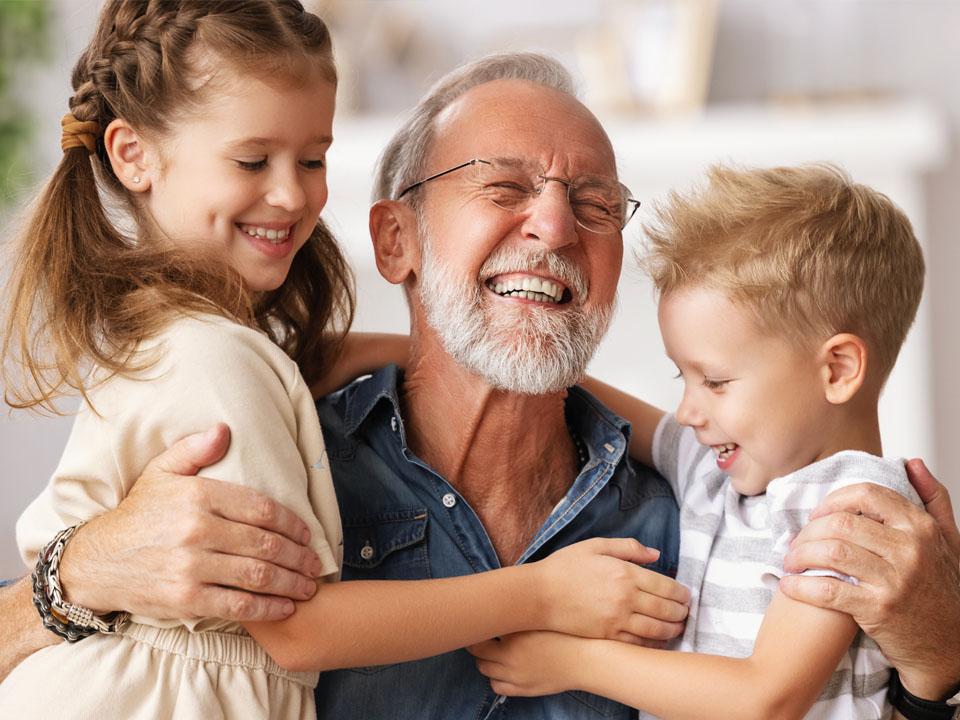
812,253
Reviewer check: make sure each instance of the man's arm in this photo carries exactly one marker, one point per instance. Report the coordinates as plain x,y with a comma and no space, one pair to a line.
177,546
21,634
907,562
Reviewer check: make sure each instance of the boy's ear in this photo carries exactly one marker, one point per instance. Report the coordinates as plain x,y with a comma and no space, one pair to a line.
128,156
396,240
843,367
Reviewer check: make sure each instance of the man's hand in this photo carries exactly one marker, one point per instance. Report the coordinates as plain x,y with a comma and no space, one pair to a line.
180,546
907,562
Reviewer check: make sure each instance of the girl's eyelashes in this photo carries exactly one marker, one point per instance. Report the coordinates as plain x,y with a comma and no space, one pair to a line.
254,165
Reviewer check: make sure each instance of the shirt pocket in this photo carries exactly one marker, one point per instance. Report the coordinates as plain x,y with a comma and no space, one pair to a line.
387,546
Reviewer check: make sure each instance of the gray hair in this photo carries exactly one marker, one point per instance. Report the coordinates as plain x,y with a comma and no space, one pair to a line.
404,159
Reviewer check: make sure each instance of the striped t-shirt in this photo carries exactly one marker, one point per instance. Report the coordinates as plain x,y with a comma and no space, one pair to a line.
731,556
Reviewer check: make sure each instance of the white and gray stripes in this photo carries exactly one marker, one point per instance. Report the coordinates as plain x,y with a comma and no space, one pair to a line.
732,549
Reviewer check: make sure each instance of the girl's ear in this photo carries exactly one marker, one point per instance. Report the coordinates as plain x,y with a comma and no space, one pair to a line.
843,367
396,240
128,156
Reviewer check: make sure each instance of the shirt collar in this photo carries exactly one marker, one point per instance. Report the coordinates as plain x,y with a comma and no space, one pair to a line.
363,396
605,434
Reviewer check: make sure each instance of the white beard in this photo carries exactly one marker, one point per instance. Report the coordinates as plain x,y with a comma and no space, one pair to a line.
526,349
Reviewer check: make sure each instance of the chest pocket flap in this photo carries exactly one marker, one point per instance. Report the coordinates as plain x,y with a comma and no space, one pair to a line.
384,539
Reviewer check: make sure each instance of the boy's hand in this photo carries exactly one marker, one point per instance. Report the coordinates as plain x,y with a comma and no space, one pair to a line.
596,588
529,663
907,561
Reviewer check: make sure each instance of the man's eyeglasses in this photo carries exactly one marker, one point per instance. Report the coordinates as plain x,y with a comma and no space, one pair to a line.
600,205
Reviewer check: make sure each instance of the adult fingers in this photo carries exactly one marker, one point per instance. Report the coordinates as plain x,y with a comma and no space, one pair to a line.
874,501
239,606
234,538
242,504
842,557
658,608
873,536
936,499
257,576
826,592
189,454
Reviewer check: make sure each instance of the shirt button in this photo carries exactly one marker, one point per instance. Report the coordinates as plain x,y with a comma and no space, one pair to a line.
449,500
366,552
393,423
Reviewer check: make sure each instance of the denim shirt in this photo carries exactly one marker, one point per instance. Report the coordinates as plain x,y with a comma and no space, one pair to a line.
403,521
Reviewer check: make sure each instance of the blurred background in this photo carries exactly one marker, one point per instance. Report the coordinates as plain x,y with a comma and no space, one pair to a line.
869,84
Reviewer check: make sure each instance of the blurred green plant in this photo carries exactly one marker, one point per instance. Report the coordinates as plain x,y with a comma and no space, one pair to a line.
24,41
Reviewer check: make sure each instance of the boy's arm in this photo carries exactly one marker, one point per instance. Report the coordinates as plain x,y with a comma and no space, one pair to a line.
593,588
362,354
796,651
643,417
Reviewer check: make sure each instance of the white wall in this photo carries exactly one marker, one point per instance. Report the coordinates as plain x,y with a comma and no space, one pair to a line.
765,48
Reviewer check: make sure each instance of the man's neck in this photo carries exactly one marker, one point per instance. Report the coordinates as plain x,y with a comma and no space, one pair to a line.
509,455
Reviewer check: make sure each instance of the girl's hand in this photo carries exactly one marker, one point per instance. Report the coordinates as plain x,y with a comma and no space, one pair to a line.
596,588
362,354
529,663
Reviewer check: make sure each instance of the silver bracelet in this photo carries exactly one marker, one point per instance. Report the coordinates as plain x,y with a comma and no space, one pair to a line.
69,621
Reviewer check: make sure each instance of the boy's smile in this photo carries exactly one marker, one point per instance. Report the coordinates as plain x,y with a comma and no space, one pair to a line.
754,398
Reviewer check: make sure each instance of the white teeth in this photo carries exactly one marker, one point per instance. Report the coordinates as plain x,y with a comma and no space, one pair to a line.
274,236
530,288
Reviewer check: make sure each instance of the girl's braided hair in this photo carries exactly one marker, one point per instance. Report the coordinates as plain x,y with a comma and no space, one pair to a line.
82,291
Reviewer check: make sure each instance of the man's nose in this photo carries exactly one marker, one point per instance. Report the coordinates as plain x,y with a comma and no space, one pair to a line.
688,412
286,191
550,219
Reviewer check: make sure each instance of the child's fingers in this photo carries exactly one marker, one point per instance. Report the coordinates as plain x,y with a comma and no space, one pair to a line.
487,649
659,608
625,549
648,628
654,583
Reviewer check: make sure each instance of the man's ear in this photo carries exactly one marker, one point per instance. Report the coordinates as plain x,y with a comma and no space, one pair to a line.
396,240
843,367
128,156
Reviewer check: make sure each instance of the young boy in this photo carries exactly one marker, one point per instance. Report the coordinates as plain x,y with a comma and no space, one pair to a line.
785,295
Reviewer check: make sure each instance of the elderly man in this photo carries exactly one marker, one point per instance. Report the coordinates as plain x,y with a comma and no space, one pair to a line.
500,212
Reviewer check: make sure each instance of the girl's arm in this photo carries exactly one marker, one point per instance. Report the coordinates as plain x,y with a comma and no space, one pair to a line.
593,588
643,417
362,354
796,651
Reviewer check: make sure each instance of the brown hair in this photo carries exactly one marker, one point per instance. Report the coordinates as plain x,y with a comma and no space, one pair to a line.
812,253
83,292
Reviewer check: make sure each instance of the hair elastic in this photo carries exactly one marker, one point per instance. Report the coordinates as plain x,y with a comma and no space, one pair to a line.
77,133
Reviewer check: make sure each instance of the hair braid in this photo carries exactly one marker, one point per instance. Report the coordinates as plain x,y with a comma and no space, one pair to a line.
81,291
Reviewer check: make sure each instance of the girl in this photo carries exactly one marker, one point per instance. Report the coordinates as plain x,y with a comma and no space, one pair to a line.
209,121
